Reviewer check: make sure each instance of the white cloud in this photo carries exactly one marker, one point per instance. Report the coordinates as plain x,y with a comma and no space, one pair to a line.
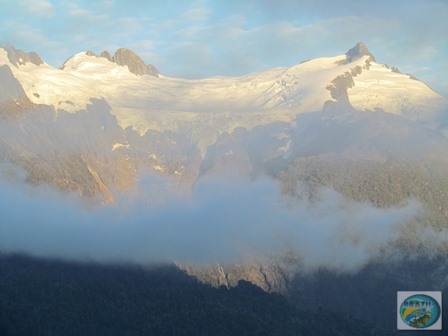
196,14
41,8
128,25
222,220
107,4
83,15
26,37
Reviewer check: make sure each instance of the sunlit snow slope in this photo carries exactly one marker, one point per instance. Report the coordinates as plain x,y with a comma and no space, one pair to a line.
159,103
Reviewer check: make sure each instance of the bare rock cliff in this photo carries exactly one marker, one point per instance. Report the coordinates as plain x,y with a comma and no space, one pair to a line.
135,64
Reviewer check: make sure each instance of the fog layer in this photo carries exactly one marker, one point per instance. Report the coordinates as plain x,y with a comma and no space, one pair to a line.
220,220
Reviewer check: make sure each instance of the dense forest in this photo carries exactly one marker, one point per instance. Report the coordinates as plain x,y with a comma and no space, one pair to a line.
53,297
382,184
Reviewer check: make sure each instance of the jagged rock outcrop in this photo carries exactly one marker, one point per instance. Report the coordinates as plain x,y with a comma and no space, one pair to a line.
359,50
106,55
126,57
10,87
130,59
271,275
19,57
13,99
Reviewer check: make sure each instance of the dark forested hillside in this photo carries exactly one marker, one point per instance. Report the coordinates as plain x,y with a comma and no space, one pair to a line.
50,297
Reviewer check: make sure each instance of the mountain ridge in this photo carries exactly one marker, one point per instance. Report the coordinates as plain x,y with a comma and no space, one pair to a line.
142,102
123,57
19,57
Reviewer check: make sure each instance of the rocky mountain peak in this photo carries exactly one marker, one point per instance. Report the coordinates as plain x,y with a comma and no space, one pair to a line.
130,59
106,55
359,50
19,57
124,57
10,88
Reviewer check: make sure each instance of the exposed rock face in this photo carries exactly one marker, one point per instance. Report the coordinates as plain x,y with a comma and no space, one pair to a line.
268,274
125,57
358,51
227,156
135,64
75,153
10,87
19,57
106,55
338,89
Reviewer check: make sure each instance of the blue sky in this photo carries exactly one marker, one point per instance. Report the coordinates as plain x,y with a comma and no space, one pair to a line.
201,38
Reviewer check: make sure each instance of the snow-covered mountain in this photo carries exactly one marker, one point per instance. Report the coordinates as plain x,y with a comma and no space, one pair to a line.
95,124
98,124
147,102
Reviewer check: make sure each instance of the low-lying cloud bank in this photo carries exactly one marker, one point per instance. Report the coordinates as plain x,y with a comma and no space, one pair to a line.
220,220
